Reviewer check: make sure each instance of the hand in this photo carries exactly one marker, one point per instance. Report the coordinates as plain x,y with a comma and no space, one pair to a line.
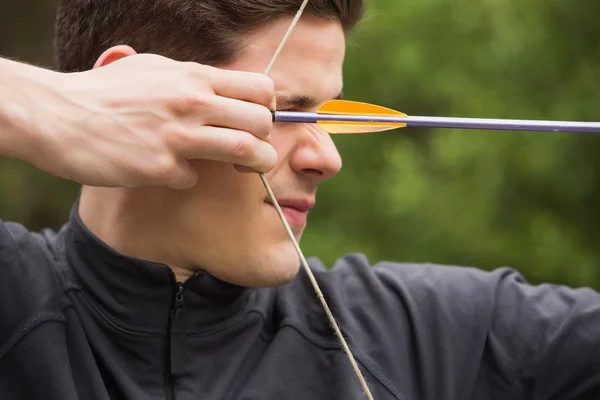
138,120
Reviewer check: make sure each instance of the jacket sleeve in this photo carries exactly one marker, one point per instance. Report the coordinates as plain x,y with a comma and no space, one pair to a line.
546,336
28,287
449,332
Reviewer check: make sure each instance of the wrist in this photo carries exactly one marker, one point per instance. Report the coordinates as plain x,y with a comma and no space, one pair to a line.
24,97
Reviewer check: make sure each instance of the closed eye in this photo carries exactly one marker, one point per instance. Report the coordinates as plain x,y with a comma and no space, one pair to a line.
287,102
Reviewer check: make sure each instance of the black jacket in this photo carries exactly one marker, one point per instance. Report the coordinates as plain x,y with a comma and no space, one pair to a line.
80,321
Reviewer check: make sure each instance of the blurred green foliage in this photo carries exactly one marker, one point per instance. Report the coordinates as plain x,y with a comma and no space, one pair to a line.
466,197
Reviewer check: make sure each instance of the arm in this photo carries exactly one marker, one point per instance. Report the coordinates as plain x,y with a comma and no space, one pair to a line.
18,84
135,121
547,337
437,331
522,341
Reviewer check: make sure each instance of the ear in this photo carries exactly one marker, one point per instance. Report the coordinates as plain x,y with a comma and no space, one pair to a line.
113,54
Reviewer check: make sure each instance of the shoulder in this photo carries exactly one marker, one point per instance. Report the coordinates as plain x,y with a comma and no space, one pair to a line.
441,305
25,256
447,320
356,282
29,288
398,315
398,294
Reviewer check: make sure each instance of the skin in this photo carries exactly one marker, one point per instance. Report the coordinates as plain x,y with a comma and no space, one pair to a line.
101,127
224,223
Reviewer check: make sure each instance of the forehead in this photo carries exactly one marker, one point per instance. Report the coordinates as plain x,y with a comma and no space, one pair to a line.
310,64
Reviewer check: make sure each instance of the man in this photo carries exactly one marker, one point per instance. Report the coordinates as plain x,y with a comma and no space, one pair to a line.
174,277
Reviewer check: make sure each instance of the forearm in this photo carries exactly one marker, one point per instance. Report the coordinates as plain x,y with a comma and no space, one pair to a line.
24,90
109,126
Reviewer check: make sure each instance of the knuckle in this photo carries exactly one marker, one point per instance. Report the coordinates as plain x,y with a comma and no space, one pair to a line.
242,149
197,72
188,102
164,168
177,138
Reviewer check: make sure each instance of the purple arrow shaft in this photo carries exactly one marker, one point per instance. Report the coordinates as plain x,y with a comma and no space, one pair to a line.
445,122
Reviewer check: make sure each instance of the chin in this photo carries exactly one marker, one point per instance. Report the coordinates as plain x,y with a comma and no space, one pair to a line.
271,267
278,267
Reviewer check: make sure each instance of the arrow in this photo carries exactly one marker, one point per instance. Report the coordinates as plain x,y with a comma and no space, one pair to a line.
352,117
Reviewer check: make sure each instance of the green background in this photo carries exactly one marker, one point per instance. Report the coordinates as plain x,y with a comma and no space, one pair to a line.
466,197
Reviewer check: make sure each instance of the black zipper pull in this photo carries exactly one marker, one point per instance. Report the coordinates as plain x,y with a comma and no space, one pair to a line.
178,352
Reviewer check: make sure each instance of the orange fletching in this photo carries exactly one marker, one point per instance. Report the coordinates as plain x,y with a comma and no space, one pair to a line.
345,107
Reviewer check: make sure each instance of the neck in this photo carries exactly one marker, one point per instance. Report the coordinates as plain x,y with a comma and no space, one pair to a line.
131,221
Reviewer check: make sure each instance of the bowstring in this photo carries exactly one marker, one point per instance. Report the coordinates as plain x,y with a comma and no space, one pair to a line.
313,281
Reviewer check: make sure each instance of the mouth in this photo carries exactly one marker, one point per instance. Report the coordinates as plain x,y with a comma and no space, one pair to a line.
295,210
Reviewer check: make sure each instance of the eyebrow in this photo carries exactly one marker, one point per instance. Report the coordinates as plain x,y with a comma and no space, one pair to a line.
286,100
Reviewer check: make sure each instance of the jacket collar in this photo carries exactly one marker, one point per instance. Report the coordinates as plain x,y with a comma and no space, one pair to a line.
140,295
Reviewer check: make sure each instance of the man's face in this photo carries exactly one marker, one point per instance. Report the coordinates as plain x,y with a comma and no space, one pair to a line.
225,224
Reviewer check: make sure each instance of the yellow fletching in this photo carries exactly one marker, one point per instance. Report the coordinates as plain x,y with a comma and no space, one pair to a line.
342,127
345,107
348,107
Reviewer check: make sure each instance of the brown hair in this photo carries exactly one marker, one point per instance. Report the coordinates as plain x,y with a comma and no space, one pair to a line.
205,31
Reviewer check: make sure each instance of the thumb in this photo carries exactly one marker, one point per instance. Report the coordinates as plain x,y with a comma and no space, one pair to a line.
186,177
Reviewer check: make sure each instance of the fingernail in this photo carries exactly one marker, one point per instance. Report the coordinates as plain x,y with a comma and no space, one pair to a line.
267,154
243,169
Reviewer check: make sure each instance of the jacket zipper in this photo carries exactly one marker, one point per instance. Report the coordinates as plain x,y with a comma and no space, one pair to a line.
175,361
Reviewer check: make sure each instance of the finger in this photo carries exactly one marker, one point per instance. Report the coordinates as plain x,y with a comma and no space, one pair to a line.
240,115
184,178
231,146
243,170
242,85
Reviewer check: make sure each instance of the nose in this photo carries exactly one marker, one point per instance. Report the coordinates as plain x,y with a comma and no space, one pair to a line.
316,155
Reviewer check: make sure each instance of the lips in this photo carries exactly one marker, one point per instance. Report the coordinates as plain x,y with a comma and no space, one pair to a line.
295,210
300,204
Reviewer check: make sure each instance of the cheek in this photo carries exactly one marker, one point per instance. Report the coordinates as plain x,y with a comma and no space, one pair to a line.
218,209
220,185
287,137
282,138
228,230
